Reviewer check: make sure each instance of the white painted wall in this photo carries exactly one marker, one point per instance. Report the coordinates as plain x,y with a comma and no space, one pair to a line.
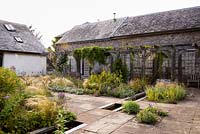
25,64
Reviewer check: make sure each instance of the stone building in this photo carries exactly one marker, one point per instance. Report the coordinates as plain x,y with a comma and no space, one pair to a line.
176,31
21,50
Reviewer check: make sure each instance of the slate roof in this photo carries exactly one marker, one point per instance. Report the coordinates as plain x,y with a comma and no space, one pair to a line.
8,43
182,19
159,22
92,31
61,35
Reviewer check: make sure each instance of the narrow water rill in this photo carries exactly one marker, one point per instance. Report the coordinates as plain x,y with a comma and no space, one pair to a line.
112,106
71,126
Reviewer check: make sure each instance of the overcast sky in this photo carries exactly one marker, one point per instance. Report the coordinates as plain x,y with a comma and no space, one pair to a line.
53,17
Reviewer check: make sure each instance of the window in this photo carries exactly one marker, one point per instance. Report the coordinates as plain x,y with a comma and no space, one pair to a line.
9,27
18,39
1,59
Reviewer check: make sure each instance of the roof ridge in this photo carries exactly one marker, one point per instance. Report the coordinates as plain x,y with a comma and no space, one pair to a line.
118,27
165,11
5,21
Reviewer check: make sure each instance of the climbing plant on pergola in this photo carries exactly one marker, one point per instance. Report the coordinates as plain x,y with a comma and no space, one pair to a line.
172,52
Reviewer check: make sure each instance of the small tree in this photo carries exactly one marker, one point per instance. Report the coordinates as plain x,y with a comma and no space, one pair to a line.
52,57
62,62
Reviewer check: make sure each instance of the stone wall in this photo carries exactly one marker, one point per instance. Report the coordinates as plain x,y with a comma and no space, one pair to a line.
165,39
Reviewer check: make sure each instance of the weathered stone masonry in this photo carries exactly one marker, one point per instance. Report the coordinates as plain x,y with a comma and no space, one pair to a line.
178,29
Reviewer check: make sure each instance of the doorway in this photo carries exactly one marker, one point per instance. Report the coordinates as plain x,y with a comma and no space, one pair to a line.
1,59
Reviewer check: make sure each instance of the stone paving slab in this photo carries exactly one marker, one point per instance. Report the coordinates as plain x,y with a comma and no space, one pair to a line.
112,121
174,126
195,129
181,118
135,128
108,128
84,103
88,118
81,131
100,112
77,111
144,103
183,111
103,126
117,118
184,117
87,106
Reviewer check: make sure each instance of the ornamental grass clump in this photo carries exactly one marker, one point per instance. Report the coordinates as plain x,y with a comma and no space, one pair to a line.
131,107
138,85
166,92
33,90
62,82
37,85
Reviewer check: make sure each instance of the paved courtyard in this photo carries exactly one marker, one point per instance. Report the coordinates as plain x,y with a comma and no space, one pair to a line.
184,117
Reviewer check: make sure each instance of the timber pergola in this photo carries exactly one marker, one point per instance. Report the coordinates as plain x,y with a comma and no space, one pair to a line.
173,52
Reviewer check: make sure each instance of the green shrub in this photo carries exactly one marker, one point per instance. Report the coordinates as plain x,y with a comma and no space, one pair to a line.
147,117
131,107
157,111
9,81
22,111
11,103
77,82
103,83
62,118
150,115
123,91
107,84
162,113
166,92
21,114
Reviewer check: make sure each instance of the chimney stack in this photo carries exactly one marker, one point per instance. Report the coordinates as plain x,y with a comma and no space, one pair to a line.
114,15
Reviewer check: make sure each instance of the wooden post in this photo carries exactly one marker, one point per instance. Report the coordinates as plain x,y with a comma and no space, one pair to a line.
78,67
83,66
131,66
173,64
143,63
111,63
155,70
180,68
70,65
